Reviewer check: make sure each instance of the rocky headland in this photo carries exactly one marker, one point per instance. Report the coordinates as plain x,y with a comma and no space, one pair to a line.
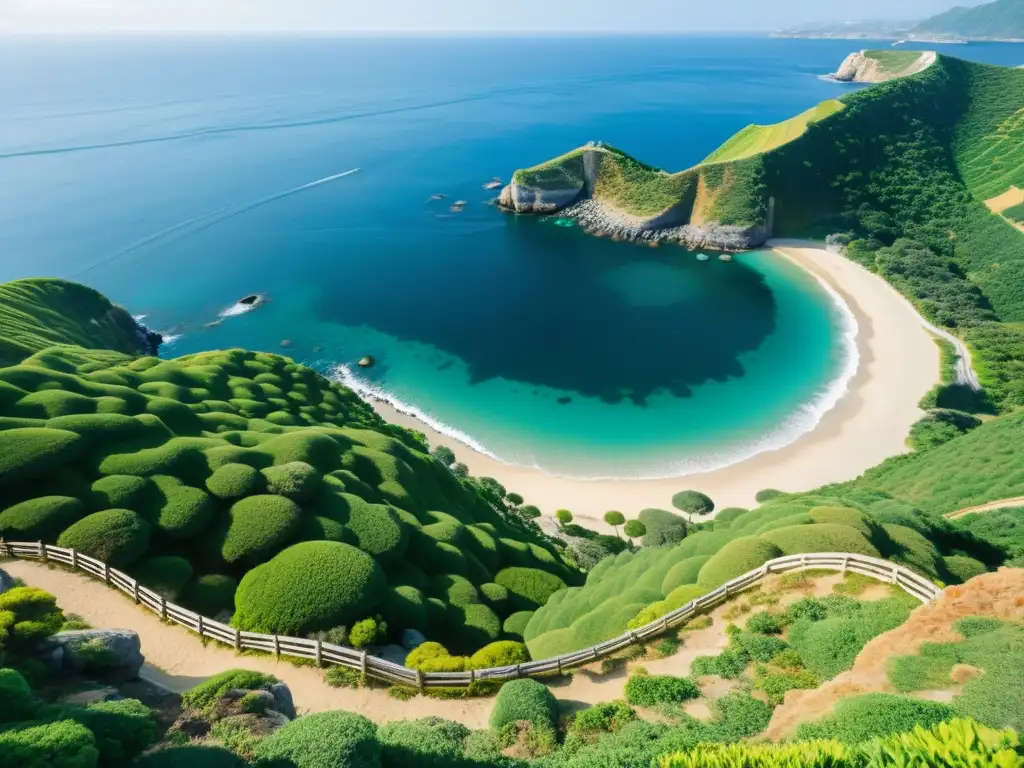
860,67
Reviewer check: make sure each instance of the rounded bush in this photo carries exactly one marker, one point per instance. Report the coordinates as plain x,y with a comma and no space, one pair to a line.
430,742
693,502
685,571
524,700
736,558
729,514
912,549
165,575
64,743
16,701
193,756
120,492
651,690
515,624
258,527
404,607
323,740
425,652
203,698
310,586
959,568
858,719
118,537
210,594
123,728
33,452
504,653
235,481
377,530
494,595
454,590
663,527
819,537
767,494
475,625
296,480
528,588
313,448
180,512
42,518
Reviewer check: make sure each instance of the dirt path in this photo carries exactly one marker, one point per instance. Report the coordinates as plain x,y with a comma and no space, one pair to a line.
1017,501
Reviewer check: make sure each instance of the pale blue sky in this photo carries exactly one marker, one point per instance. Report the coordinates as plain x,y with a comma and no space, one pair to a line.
433,16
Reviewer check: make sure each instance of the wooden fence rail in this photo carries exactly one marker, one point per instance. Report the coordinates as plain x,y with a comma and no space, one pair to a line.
327,653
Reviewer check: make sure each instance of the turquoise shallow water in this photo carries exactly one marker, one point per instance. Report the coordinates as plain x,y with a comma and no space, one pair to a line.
177,175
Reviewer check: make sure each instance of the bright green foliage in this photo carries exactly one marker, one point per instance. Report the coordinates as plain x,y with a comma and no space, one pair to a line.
913,549
1002,527
495,596
693,502
614,518
960,569
608,717
634,529
27,615
205,696
651,690
309,586
428,651
528,588
663,528
474,625
736,558
821,537
16,702
686,571
122,729
210,594
295,480
755,139
859,718
193,756
830,645
810,754
41,518
323,740
404,606
954,744
182,512
118,537
939,427
166,575
524,700
234,481
120,492
515,624
367,632
765,623
259,527
63,744
430,742
26,454
777,682
503,653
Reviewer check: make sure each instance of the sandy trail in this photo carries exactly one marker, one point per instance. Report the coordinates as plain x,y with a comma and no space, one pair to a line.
1017,501
899,363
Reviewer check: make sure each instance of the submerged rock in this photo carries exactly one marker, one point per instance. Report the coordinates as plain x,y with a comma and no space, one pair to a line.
368,361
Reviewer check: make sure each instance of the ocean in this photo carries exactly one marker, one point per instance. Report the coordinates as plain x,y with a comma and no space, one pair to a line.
177,175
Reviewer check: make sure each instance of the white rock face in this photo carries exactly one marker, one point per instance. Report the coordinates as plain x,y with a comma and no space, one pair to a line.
858,68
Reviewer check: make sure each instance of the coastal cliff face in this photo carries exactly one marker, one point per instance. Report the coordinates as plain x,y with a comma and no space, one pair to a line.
860,67
521,198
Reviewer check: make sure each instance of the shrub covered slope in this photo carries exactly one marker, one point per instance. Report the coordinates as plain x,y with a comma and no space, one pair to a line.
225,467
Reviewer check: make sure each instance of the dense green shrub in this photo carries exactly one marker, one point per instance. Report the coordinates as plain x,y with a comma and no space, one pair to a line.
210,594
27,615
63,744
820,537
40,519
736,558
120,492
959,568
693,502
430,742
166,575
859,718
765,623
504,653
181,512
528,588
913,549
425,652
663,528
651,690
475,624
607,717
684,572
767,494
377,530
367,632
205,696
524,700
29,453
194,756
454,590
309,586
495,595
235,481
258,527
729,514
404,606
118,537
323,740
122,729
515,624
16,702
295,480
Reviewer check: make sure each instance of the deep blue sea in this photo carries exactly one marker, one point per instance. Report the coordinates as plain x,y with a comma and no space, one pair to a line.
180,174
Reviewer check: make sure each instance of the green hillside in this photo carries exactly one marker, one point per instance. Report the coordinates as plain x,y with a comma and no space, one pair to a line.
236,469
893,61
756,139
1002,20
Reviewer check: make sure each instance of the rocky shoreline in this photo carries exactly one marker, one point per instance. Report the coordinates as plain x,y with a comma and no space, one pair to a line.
600,220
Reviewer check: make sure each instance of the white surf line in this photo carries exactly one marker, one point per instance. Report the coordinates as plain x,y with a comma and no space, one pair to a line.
211,218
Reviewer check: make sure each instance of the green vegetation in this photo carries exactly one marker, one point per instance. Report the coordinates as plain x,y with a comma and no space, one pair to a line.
323,740
1015,213
1000,19
662,528
893,62
693,503
524,700
757,139
651,690
860,718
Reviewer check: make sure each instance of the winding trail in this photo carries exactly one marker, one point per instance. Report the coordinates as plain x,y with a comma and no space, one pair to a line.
990,506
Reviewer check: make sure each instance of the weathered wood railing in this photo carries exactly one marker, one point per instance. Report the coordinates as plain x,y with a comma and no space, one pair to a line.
372,666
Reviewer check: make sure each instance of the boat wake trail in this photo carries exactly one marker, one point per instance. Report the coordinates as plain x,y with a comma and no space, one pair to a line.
205,221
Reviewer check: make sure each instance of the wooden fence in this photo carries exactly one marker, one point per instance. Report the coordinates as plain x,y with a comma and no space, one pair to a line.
371,666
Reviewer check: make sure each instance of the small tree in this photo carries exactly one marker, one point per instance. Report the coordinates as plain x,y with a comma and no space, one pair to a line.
614,519
444,454
634,530
514,499
563,516
460,470
693,503
529,511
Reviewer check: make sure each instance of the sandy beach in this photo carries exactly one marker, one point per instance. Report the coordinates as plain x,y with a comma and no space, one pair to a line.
899,362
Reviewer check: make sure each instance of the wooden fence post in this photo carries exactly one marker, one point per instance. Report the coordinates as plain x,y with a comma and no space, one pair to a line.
163,607
199,626
559,661
277,646
362,665
42,552
135,591
74,559
419,679
238,640
846,564
319,653
106,573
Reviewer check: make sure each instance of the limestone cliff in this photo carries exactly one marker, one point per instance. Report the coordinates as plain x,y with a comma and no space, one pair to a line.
875,67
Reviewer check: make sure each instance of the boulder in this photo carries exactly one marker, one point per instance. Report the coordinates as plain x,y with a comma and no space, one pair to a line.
394,653
85,698
412,639
6,581
116,652
283,701
367,361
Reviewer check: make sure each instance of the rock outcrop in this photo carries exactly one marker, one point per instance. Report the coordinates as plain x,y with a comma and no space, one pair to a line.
860,68
519,198
110,652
